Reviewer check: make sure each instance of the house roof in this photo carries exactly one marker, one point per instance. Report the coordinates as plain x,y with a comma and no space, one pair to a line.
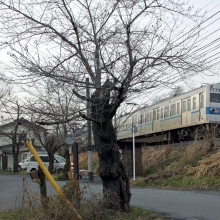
23,121
8,149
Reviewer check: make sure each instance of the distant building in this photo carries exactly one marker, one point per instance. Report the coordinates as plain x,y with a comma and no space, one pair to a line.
32,131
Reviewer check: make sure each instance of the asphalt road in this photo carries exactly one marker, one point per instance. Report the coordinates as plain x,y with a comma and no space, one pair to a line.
179,204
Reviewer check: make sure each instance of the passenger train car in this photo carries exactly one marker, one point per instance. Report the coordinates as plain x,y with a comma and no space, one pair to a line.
173,119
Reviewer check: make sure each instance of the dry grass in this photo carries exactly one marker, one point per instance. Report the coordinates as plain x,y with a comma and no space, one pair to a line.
195,160
154,156
83,162
209,166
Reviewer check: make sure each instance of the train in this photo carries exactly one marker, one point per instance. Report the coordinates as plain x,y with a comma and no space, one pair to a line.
173,119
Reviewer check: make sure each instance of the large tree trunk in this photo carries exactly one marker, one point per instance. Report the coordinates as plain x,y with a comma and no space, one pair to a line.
111,169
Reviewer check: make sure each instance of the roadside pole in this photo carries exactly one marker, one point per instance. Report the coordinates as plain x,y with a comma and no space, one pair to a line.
90,160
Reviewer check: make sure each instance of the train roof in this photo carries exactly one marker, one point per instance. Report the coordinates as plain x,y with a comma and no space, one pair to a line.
174,96
168,98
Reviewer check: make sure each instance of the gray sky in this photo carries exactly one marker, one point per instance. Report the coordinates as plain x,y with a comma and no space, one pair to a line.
212,7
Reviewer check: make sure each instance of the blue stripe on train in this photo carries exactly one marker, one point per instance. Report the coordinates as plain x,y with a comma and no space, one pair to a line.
208,112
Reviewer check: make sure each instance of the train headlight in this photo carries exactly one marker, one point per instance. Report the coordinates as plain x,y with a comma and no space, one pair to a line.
214,110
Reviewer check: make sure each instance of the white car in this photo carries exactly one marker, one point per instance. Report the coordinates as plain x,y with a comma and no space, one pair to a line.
59,163
24,164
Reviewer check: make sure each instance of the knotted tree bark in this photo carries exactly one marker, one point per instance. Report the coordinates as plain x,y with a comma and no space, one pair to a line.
111,169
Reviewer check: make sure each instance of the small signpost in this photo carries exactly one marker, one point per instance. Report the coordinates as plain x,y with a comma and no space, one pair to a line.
69,140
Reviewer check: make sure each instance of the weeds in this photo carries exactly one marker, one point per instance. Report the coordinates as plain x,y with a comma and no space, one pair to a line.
94,208
135,213
194,166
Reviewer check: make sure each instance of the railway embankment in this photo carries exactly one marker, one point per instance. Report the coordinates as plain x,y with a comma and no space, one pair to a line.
188,165
192,165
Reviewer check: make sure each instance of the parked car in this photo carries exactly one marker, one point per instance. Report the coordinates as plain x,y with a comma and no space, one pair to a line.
59,163
24,164
63,160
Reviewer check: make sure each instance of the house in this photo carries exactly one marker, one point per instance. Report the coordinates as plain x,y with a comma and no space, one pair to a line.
26,129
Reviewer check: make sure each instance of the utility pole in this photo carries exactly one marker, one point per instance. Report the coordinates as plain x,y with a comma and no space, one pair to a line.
134,128
76,161
133,131
90,160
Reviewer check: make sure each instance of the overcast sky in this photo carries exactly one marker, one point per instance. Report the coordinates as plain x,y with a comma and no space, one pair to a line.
212,7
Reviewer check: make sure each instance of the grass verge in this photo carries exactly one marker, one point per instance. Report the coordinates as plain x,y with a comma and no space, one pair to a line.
135,213
179,182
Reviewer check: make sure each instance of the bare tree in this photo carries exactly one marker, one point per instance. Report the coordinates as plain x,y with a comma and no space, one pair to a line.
5,88
122,46
177,90
158,98
15,135
53,101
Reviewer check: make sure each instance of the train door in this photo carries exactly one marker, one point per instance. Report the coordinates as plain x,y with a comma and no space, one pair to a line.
156,119
186,111
201,107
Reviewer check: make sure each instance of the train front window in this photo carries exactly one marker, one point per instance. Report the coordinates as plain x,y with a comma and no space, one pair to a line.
215,97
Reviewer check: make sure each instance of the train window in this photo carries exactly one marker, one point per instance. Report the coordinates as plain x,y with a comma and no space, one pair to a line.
184,106
173,110
134,120
142,119
158,114
146,117
201,100
154,115
194,103
188,104
150,116
215,97
166,112
178,108
161,112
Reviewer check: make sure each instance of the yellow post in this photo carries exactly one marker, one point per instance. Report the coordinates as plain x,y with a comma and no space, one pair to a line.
49,177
